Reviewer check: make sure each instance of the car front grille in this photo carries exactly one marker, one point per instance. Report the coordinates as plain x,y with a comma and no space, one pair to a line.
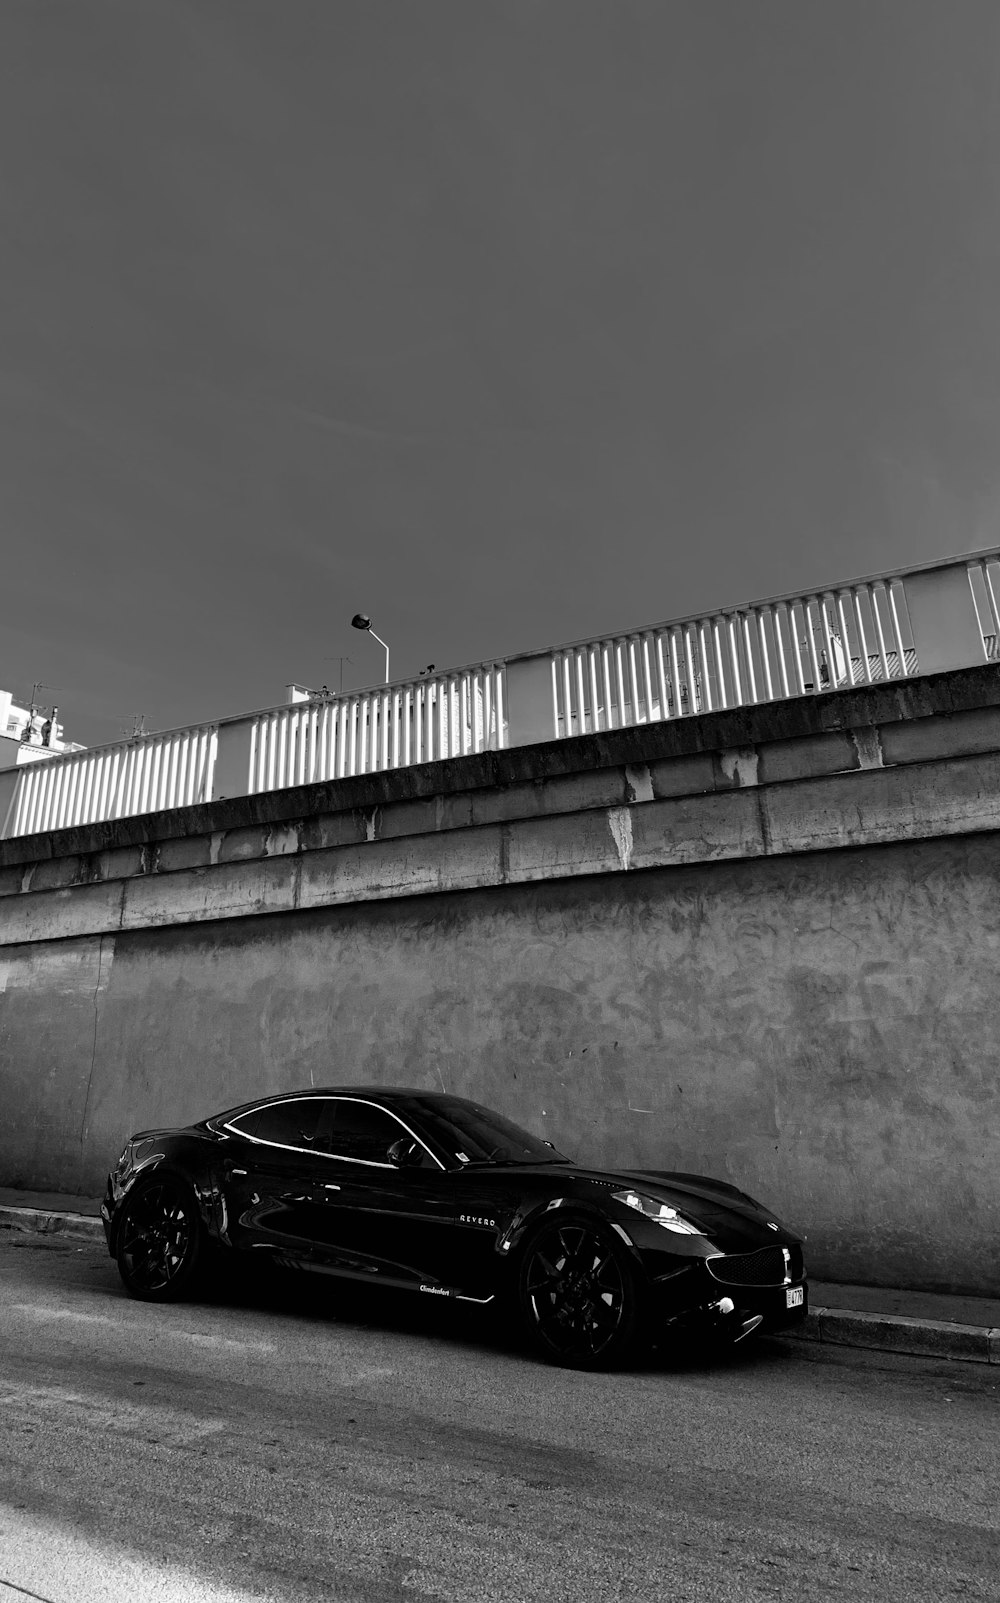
771,1266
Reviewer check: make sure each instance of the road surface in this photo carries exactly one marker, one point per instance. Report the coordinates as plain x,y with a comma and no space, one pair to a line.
299,1446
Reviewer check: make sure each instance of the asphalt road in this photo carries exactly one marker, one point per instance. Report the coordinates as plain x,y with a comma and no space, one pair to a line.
296,1446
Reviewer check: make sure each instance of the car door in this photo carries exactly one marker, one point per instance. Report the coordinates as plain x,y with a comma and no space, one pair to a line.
271,1172
411,1221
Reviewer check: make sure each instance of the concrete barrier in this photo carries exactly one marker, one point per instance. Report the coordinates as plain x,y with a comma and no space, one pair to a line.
759,944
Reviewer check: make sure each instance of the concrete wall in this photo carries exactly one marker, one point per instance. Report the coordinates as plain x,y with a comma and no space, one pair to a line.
773,960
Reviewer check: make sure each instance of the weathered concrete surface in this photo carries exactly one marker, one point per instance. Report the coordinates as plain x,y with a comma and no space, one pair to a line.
817,1029
666,959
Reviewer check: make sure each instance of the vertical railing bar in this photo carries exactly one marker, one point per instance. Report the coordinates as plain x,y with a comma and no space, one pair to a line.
21,803
647,677
689,663
991,597
748,649
408,718
254,756
765,654
145,770
897,632
342,727
58,773
595,691
58,778
706,702
879,634
799,620
633,680
58,770
35,778
607,686
45,783
827,641
779,646
675,668
131,782
269,740
661,678
734,654
73,792
811,639
283,752
183,754
169,771
108,766
567,694
98,787
153,794
30,783
79,787
618,652
485,703
845,638
720,660
581,692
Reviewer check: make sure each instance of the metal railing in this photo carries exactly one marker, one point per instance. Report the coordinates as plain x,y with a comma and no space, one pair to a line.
144,775
797,645
414,721
890,626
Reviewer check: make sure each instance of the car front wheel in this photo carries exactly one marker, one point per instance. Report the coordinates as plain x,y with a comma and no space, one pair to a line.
578,1295
160,1240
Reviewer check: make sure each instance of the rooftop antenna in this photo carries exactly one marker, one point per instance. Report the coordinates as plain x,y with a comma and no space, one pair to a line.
341,660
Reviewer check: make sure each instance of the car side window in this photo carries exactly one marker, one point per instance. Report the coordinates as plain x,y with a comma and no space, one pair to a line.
359,1131
284,1124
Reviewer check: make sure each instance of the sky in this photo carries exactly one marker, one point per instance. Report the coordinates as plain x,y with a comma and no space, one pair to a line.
507,322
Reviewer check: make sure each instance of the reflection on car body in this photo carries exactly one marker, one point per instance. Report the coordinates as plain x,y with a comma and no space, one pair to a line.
435,1194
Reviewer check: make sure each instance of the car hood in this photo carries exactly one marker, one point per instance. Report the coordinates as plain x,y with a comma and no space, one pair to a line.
728,1216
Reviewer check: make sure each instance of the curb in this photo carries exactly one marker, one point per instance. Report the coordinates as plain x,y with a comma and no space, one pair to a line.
898,1333
40,1221
837,1327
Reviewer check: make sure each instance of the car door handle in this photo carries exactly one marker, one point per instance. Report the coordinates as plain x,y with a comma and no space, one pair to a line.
331,1188
238,1171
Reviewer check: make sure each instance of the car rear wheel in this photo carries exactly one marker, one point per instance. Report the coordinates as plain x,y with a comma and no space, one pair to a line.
579,1296
160,1240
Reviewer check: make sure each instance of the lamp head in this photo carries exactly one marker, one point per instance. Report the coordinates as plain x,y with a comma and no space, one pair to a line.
361,621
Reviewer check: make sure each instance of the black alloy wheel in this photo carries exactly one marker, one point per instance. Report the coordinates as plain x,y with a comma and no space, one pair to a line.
160,1240
578,1295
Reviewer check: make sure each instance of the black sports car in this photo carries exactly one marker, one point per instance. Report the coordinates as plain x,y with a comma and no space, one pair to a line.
429,1192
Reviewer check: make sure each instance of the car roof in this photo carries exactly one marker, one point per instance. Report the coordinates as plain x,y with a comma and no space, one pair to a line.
361,1091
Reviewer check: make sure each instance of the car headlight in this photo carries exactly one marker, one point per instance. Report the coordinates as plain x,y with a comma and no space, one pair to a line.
659,1212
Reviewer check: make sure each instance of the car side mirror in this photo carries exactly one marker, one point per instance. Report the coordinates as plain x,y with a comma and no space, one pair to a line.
404,1153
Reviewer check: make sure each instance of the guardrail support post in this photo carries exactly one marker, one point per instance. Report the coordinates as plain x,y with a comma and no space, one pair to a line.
8,796
946,628
232,759
530,717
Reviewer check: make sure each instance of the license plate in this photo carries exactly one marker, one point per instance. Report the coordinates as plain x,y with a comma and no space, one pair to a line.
795,1296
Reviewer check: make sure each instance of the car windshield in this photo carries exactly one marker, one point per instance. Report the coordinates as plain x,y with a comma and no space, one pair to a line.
473,1134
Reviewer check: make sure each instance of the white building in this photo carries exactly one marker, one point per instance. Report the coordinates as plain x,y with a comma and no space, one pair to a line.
29,733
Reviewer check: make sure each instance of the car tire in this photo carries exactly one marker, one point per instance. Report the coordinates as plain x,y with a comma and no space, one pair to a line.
161,1241
579,1295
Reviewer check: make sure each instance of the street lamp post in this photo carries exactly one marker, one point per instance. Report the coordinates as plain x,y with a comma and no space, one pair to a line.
362,621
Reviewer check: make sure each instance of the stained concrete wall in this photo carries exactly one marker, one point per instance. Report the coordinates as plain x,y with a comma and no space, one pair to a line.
801,1001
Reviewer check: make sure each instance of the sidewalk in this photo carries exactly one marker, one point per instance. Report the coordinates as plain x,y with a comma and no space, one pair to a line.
925,1323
